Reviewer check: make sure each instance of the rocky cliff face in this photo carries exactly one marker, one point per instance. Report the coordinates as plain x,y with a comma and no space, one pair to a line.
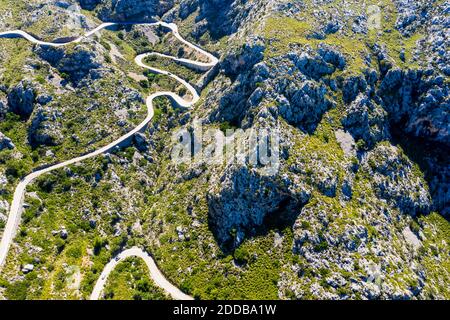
128,10
220,18
415,99
232,210
81,62
89,4
21,99
354,208
379,97
45,127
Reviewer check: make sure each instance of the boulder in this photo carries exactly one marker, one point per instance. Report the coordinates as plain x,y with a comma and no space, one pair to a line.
27,268
63,234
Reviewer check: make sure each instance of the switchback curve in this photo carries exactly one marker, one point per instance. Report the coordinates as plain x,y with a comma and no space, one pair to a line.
16,208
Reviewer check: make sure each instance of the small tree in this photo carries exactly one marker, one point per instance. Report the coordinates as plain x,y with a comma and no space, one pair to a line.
241,255
144,84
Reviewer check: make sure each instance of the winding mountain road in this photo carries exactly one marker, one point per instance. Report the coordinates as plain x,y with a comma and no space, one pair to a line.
16,209
156,275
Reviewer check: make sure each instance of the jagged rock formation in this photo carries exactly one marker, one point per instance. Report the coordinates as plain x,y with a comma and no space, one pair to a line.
81,62
374,101
89,4
220,18
233,214
131,10
366,120
394,180
420,100
45,127
244,72
21,99
363,120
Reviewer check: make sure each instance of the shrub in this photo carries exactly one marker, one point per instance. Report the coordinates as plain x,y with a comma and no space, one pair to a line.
17,290
144,84
361,145
65,76
241,255
105,45
15,168
182,91
99,243
60,245
46,183
74,252
150,76
186,286
322,246
107,58
40,79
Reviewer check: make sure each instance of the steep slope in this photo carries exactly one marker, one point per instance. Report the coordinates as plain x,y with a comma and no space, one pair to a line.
356,207
348,97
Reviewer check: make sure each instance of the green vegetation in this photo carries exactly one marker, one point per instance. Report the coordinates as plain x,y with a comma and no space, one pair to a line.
168,65
117,201
437,234
130,281
285,33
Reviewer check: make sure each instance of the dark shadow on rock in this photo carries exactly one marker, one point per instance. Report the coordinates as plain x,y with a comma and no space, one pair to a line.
434,161
284,216
220,18
244,203
134,10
